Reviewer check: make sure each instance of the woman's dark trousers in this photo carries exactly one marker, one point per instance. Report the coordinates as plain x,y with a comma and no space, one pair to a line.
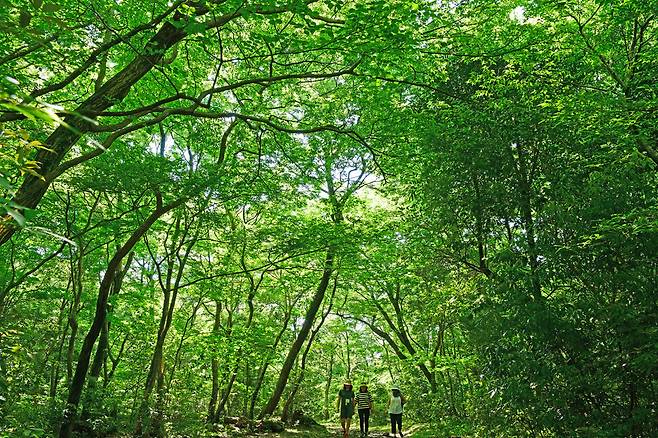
396,419
364,419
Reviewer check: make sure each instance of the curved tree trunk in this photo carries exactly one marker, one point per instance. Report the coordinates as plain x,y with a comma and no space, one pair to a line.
100,358
214,393
63,138
287,408
78,381
301,336
170,287
226,394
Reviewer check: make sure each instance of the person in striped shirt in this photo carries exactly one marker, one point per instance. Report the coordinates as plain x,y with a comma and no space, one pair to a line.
364,403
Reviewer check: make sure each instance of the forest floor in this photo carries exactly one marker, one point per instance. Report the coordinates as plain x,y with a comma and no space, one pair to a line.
336,432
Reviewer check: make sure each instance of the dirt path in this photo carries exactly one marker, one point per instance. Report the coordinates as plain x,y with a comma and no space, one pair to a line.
336,432
330,432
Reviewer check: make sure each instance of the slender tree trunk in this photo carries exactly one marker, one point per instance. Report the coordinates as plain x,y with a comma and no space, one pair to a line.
525,192
154,372
100,358
215,365
327,386
115,362
170,287
227,393
177,357
287,409
453,401
64,137
76,289
400,332
263,369
301,336
78,381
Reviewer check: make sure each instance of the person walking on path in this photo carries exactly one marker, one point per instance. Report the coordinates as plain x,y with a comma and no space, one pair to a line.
395,404
364,403
346,407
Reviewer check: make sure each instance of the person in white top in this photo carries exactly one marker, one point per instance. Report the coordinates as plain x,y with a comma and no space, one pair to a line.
395,408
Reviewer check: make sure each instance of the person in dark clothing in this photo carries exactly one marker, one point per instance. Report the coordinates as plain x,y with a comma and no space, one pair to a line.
395,404
346,407
364,404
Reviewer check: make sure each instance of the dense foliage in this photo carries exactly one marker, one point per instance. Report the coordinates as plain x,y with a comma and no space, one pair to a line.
223,208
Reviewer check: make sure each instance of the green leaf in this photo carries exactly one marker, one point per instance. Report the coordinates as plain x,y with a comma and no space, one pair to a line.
195,27
4,183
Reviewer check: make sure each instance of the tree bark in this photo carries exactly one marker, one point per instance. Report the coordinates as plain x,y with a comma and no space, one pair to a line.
287,408
301,336
327,386
170,287
78,381
214,365
114,91
63,138
100,357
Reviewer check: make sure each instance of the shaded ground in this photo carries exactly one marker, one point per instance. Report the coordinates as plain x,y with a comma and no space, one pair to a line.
336,432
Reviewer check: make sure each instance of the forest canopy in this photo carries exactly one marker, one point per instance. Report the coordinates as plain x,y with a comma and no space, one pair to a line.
221,209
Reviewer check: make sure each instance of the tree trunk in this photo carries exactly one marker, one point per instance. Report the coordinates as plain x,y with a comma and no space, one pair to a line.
100,358
227,390
78,381
263,369
170,288
287,409
227,393
400,332
214,365
63,138
154,371
327,386
188,326
115,362
301,336
114,91
76,289
525,191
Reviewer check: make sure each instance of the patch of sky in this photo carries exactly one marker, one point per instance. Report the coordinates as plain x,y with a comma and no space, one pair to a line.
518,14
157,147
93,34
